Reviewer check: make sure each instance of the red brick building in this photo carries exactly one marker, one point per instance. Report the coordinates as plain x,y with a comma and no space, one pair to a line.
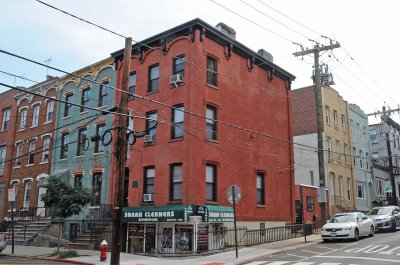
8,108
31,162
224,117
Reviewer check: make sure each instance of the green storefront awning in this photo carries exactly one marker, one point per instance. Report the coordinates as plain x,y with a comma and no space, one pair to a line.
215,213
165,213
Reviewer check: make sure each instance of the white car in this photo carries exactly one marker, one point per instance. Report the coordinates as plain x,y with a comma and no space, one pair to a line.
3,241
348,226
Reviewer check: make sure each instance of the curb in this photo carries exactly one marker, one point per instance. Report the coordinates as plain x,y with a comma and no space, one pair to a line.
51,259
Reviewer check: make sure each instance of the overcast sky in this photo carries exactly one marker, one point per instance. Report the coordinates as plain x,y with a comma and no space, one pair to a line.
364,69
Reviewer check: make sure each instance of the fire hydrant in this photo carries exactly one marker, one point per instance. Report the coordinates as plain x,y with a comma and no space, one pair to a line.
103,250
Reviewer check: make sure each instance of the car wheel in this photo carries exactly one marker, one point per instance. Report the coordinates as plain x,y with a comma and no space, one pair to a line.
372,232
393,226
325,240
356,235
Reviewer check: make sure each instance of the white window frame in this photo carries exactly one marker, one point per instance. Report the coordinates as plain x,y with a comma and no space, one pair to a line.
35,115
362,189
341,187
49,111
346,153
27,190
335,118
3,153
343,123
6,119
327,115
46,139
338,154
349,189
329,143
18,153
24,115
31,150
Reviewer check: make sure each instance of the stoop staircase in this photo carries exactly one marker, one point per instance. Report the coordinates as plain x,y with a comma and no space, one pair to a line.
26,230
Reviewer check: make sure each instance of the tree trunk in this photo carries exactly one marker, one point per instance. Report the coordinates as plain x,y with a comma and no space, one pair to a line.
59,237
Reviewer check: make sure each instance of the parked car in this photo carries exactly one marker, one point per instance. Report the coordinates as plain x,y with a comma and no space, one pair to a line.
348,226
386,217
3,241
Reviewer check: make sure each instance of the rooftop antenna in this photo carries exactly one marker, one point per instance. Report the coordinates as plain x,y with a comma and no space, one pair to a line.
48,61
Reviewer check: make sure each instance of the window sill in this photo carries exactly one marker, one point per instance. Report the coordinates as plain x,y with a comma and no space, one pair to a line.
66,117
79,156
152,92
212,141
98,154
177,85
149,144
83,112
16,167
29,165
176,140
261,205
175,202
211,203
33,126
212,86
21,130
63,159
147,203
48,122
43,162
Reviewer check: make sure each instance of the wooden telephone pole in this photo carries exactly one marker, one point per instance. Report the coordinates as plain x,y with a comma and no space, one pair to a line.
120,154
318,98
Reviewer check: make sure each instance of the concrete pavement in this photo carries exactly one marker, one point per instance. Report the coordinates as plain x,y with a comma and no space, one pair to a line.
245,254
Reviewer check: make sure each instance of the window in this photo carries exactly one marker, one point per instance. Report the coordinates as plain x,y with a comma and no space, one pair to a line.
343,123
379,187
6,119
341,187
335,118
346,153
312,182
354,156
132,85
64,145
177,122
211,183
349,189
176,182
18,155
149,175
327,115
211,123
98,146
45,149
150,124
68,105
27,193
85,98
14,185
360,191
179,65
3,150
367,161
260,188
31,151
361,158
96,186
212,77
22,122
35,118
337,150
329,143
78,180
310,203
49,110
103,93
81,142
154,75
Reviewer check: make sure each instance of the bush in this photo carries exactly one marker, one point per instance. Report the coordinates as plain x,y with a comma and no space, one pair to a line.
68,254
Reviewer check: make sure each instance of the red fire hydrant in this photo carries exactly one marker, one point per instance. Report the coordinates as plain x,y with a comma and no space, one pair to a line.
103,250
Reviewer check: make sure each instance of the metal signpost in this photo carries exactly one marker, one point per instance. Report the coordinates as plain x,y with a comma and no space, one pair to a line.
234,194
11,198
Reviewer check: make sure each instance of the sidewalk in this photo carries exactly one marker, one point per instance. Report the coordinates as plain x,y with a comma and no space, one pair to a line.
246,254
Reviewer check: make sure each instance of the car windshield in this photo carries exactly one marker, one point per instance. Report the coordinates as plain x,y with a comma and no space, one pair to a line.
383,210
343,218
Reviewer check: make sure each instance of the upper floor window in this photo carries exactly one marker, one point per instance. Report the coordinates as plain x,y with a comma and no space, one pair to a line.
78,180
361,158
177,122
354,156
327,115
212,77
346,153
35,118
22,121
64,145
103,93
149,176
154,75
85,96
49,110
3,150
132,85
367,160
373,136
96,187
310,203
18,154
329,143
176,182
211,182
260,188
45,149
349,189
338,150
150,125
31,151
343,123
211,122
68,105
6,119
360,191
312,182
100,129
179,65
341,187
379,187
335,118
27,193
81,142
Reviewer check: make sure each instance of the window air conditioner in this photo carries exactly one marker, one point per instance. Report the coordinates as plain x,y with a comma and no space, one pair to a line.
148,197
148,138
176,79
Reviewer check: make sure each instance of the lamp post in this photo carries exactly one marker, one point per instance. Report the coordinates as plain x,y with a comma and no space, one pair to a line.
11,198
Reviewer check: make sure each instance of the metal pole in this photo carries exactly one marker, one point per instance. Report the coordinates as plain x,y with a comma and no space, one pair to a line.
391,174
12,227
302,214
234,218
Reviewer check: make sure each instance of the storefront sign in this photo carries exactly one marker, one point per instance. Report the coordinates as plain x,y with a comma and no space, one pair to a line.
214,213
170,213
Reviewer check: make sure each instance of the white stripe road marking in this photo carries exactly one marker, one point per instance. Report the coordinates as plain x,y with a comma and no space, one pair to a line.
323,247
304,263
344,257
278,262
329,263
298,256
258,262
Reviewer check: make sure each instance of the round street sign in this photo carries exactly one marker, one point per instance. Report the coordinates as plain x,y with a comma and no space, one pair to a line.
229,193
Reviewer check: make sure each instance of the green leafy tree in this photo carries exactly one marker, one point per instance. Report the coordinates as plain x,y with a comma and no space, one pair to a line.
64,201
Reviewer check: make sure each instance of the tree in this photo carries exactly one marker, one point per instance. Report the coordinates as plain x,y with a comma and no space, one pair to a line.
64,201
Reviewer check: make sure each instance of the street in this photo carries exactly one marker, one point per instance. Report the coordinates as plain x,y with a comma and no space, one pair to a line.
5,259
382,249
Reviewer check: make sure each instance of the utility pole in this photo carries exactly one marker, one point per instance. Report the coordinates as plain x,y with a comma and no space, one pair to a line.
318,98
120,154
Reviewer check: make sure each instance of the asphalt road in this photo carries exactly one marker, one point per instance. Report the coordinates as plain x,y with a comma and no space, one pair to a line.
5,260
383,248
